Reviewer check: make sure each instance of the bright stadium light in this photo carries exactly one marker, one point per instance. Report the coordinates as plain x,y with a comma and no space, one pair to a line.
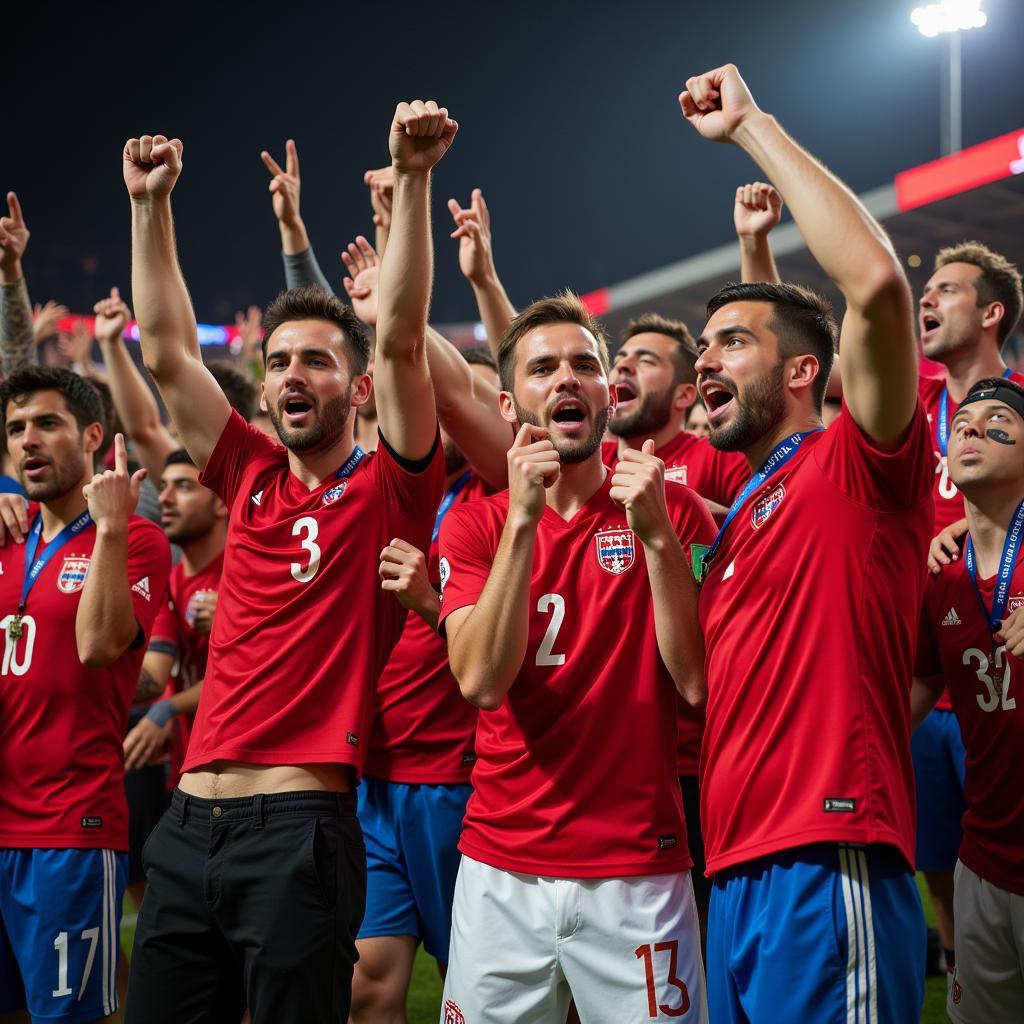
950,17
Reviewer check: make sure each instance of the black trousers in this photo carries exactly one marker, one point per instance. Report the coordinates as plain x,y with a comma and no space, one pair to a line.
252,902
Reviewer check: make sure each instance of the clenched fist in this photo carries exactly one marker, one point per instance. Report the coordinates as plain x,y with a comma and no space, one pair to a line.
717,103
421,134
152,165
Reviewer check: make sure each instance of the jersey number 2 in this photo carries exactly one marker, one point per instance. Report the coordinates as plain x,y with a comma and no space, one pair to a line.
306,525
554,603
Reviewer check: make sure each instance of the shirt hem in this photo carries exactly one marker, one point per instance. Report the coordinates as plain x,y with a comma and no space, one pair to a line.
118,845
981,869
270,757
629,869
412,778
861,837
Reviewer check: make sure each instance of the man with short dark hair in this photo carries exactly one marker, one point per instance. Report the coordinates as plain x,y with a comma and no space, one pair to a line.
78,599
574,880
809,614
265,809
971,648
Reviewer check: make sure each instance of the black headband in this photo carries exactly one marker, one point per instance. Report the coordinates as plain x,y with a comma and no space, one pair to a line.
1000,393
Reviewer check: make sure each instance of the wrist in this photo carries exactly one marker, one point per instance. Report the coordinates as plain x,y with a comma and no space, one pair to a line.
10,273
161,712
484,279
294,238
752,242
112,528
522,524
660,539
753,126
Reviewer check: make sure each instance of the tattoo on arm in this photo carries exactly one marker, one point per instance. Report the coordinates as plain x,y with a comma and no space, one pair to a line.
17,339
148,688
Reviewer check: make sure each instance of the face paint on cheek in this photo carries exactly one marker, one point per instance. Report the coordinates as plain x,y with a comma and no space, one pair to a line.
1000,436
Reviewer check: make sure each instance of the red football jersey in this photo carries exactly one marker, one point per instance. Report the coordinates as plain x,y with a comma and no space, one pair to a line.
423,728
719,477
955,643
949,503
576,772
303,629
62,724
810,612
176,625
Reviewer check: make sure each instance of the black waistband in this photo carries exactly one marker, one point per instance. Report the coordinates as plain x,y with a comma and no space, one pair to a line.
261,805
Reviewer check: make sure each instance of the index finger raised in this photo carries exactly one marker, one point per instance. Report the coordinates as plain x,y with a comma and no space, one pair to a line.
270,163
14,208
120,454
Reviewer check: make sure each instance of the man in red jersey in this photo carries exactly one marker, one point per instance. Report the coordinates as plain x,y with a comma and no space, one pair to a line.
655,382
971,645
264,812
809,608
79,597
968,309
574,880
195,519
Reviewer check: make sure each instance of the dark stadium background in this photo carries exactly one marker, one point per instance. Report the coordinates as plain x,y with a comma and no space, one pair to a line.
568,118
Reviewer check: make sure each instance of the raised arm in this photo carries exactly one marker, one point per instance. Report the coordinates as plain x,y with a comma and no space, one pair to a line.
133,400
476,261
467,405
487,641
879,352
756,210
163,310
421,134
17,338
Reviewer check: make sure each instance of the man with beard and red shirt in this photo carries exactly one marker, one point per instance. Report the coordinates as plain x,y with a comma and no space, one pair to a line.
809,607
195,519
971,646
574,880
265,812
655,382
79,597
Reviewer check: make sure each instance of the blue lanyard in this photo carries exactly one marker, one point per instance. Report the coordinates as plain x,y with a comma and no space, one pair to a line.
350,464
778,458
449,500
34,566
1007,563
943,425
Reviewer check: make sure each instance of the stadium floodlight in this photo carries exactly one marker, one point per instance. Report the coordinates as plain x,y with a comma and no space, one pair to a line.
950,17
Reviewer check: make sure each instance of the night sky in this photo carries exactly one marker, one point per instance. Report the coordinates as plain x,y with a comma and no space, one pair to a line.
568,121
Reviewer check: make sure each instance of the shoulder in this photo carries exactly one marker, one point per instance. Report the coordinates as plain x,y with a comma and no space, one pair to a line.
145,532
929,388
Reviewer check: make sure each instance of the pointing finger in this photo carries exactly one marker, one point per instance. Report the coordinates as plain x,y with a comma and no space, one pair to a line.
14,209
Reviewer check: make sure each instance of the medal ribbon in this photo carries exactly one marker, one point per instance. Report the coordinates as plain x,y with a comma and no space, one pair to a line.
943,424
449,499
1007,563
33,565
350,463
778,458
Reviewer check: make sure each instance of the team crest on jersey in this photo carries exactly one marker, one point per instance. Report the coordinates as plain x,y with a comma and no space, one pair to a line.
1014,603
71,578
616,550
331,496
764,507
675,474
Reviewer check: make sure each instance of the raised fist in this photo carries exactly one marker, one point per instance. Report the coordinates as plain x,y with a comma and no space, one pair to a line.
151,166
112,316
717,102
381,183
420,135
757,210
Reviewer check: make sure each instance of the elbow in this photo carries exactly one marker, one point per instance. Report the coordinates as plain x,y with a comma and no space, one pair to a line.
479,689
693,688
97,655
884,285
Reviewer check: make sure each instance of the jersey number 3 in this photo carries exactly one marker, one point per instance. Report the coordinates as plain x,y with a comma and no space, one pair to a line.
306,525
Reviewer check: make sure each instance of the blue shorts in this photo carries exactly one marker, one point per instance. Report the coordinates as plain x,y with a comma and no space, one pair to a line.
824,934
60,921
939,760
412,859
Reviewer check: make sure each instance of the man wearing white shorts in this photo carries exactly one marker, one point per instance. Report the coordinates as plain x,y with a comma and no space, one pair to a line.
570,612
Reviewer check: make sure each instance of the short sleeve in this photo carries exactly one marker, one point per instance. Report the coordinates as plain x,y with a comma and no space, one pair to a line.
729,472
149,566
885,481
691,518
164,638
237,446
414,491
466,547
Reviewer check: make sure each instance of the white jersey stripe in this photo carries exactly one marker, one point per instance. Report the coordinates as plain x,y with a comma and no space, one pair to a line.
105,935
851,938
862,959
869,931
115,938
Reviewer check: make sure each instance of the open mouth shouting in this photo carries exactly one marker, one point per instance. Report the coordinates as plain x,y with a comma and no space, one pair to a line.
295,409
929,323
570,415
717,399
34,467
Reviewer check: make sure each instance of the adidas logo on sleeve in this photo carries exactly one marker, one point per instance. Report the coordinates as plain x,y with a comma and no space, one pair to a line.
951,619
142,588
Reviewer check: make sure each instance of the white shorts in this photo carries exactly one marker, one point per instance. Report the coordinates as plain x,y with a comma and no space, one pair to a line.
988,926
625,949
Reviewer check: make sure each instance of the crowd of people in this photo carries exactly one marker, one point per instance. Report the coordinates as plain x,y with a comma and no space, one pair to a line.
584,670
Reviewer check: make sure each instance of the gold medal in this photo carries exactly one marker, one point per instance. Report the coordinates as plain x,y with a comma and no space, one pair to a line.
14,627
